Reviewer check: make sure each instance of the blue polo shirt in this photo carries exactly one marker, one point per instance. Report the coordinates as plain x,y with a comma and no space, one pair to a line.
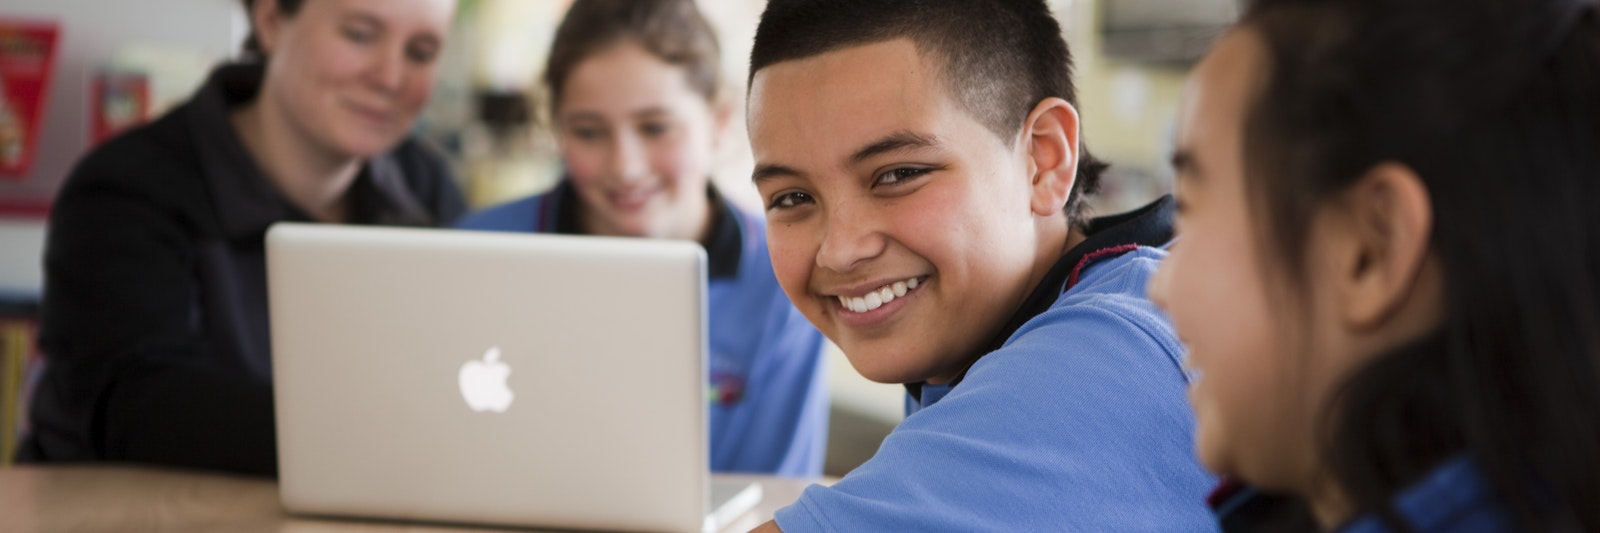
1075,420
768,391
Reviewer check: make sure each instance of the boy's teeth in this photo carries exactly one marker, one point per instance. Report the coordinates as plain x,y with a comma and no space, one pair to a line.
878,298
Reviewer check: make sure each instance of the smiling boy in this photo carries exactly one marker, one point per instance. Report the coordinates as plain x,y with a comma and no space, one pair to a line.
922,171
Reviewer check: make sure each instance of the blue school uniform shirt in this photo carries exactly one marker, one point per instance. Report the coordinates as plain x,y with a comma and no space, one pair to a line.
1075,420
1453,498
768,392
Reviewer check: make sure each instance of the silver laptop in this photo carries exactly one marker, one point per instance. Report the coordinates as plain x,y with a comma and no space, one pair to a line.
493,378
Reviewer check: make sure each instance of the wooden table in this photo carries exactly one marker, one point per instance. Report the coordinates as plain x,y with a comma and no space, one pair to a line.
93,498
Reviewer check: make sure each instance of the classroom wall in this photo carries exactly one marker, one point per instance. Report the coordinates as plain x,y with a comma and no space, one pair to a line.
180,34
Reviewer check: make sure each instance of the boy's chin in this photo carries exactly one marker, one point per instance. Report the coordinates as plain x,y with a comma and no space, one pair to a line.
885,367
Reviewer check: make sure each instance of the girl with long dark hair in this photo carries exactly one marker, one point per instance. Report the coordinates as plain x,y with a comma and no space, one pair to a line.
1388,265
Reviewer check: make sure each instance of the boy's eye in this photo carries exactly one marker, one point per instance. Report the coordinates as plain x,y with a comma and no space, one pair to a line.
789,200
898,175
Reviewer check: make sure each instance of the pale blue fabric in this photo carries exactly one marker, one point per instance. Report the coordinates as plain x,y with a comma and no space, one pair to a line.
1079,422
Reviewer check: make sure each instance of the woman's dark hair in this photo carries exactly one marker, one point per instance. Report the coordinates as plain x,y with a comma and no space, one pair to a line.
672,30
1495,104
252,45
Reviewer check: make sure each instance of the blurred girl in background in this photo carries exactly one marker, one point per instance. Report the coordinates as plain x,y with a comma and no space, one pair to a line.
634,101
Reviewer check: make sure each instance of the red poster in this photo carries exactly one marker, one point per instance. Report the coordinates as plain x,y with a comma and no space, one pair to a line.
27,56
121,101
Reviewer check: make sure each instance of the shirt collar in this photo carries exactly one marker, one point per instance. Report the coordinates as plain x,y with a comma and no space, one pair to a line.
1453,492
246,201
723,245
1106,237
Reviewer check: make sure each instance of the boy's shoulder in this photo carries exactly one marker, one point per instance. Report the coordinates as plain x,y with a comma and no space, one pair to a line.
1116,290
1103,325
1063,427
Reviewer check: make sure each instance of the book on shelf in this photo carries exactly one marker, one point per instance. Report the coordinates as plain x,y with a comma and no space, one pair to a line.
18,360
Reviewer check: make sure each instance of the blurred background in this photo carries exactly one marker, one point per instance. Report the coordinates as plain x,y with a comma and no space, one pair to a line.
76,72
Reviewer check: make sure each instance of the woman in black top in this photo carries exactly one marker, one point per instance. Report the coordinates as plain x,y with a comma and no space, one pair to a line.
155,319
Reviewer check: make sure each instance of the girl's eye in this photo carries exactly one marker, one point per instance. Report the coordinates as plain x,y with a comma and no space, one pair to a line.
359,35
654,129
789,200
588,134
898,175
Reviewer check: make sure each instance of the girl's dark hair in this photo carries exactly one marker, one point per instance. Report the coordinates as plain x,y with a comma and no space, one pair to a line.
1495,104
672,30
252,45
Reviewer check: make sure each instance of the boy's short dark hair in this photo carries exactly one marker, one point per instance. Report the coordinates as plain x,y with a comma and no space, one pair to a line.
999,58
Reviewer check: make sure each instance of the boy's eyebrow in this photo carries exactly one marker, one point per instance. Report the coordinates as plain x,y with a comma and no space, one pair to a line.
900,140
770,171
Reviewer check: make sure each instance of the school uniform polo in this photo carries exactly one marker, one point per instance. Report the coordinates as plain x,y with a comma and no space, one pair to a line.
154,319
1452,498
768,391
1073,419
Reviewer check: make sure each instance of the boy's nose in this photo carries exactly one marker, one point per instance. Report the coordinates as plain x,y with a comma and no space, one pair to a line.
848,241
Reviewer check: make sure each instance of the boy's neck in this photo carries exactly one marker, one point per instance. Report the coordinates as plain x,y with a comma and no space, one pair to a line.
1075,237
1053,245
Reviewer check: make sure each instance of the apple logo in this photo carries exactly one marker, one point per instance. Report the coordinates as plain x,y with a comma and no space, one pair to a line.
483,383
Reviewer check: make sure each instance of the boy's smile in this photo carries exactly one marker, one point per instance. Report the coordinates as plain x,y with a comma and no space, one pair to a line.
898,224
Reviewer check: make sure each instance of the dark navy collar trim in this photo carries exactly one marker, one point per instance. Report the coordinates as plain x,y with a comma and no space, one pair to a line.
1106,237
724,245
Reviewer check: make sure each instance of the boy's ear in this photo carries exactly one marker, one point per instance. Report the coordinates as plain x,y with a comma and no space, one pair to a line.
1390,224
1050,138
264,18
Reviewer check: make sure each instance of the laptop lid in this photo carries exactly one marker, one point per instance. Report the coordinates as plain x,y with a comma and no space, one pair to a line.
497,378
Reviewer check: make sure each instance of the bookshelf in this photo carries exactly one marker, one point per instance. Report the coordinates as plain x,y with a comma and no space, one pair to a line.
21,287
17,359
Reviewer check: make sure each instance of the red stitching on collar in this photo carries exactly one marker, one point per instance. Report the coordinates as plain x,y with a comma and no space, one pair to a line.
1094,256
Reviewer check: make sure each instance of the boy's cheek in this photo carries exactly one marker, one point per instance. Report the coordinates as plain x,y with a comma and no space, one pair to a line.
790,263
